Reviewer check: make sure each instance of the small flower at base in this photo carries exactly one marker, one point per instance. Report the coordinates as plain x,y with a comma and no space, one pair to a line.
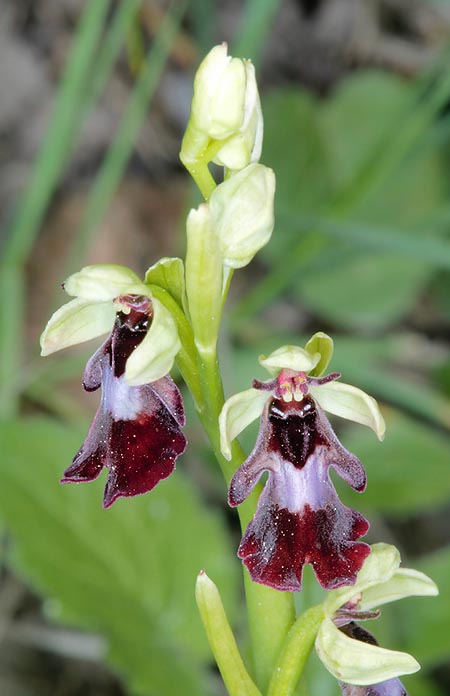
350,652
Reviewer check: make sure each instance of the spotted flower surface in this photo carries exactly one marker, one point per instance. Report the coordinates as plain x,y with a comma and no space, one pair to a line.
136,432
299,518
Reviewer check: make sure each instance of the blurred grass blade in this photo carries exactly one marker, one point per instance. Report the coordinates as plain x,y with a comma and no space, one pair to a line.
65,117
202,18
120,151
254,28
43,180
430,249
113,41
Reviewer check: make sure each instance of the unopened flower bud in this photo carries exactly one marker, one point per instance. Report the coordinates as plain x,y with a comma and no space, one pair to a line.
242,214
218,104
225,107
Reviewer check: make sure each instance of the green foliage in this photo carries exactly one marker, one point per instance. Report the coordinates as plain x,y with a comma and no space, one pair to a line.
128,573
425,624
407,473
325,156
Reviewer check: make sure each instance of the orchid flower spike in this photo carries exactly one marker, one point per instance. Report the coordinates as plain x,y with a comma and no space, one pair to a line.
350,652
136,431
299,518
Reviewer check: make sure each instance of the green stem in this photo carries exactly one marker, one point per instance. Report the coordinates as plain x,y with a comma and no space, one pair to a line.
196,159
270,613
295,652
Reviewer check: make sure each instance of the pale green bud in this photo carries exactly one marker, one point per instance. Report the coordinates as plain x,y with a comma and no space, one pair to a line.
245,146
218,104
379,581
356,662
242,214
225,108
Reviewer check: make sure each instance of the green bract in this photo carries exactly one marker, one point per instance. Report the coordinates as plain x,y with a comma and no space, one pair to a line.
379,581
242,214
335,397
203,278
97,291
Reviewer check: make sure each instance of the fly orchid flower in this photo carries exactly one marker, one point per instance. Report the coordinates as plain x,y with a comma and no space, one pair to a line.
350,652
299,518
136,431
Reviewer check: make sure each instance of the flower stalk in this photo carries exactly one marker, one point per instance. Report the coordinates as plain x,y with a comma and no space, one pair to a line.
221,639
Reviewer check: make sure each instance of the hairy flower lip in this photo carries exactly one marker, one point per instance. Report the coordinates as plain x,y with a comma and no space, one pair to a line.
299,519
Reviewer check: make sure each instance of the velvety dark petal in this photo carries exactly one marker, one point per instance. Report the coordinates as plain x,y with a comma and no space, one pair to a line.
390,687
92,375
91,457
248,474
143,450
343,462
279,541
299,518
166,390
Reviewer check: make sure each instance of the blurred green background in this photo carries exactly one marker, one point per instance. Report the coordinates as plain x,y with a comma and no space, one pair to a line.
95,97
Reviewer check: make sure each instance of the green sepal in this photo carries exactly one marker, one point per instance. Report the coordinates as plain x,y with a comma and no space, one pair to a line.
237,413
347,401
168,273
75,322
104,282
357,662
320,343
289,357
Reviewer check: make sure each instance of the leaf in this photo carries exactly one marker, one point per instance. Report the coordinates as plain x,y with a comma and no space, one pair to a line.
407,473
128,573
337,145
